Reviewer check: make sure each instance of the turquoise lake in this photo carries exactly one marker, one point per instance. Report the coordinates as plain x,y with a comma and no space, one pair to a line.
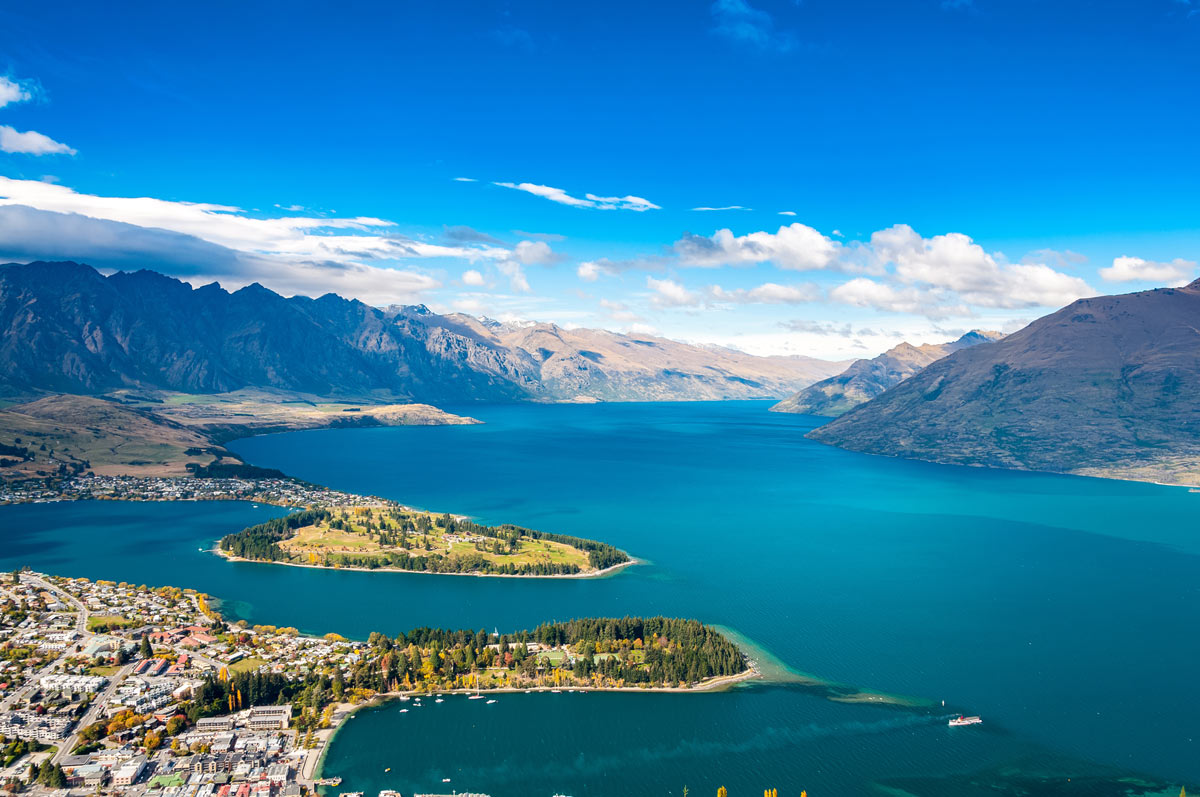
1065,611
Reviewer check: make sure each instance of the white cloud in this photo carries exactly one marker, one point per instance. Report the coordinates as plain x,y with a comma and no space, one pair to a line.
787,213
11,92
465,180
1136,269
863,292
516,275
619,311
473,278
627,202
845,330
27,234
291,238
462,234
768,293
727,207
535,253
548,237
954,262
1053,257
1033,285
797,247
669,293
471,305
525,253
587,201
548,192
204,242
31,142
590,271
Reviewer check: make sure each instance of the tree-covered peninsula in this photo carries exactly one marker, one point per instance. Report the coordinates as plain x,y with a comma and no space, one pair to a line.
597,653
392,537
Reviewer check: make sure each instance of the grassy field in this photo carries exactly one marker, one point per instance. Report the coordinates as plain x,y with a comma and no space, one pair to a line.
246,665
112,621
380,531
106,671
84,433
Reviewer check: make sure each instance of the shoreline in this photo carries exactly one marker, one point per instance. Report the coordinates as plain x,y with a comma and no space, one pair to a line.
598,574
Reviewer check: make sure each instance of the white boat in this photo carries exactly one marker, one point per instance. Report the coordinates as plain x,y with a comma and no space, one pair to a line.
490,702
439,700
960,720
403,711
405,698
445,780
475,697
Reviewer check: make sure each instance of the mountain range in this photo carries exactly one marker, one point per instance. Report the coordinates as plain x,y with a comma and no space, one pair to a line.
67,328
1106,386
866,379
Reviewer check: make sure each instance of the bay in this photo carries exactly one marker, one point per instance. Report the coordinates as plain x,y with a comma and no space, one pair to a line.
1064,610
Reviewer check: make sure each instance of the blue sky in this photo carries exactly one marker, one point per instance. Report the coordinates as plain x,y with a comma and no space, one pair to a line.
949,164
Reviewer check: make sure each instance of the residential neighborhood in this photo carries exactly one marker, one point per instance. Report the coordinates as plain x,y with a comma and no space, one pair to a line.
281,492
100,683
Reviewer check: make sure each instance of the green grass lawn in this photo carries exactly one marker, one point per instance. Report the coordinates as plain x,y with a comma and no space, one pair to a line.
554,657
323,539
110,620
246,665
106,671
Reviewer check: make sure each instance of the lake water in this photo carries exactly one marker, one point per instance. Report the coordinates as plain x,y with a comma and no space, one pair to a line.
1063,610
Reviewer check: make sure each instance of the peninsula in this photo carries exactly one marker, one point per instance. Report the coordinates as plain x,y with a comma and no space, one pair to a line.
159,433
388,536
113,681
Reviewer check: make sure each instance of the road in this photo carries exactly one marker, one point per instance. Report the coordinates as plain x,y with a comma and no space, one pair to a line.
96,709
80,628
93,713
